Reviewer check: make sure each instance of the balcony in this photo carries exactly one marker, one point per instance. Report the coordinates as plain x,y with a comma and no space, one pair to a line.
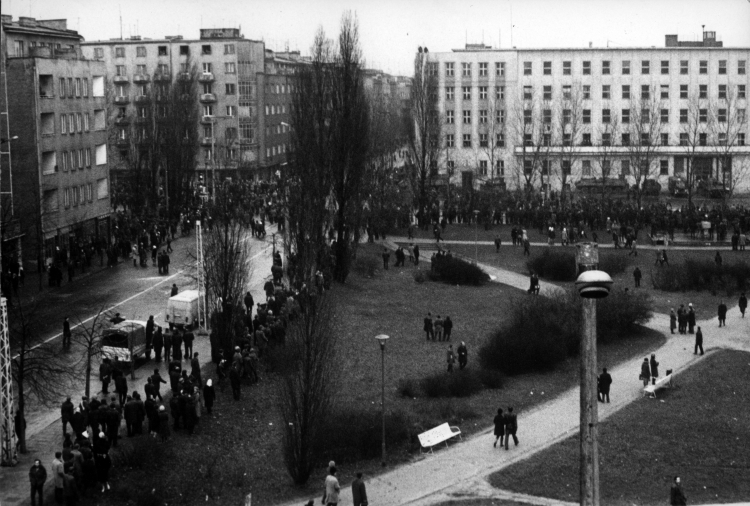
208,98
207,141
122,120
123,143
122,100
140,99
206,77
121,79
208,120
162,77
141,78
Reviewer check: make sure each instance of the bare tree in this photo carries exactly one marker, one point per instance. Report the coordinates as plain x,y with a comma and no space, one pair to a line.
308,384
693,136
532,129
644,132
88,335
728,124
492,125
568,131
605,154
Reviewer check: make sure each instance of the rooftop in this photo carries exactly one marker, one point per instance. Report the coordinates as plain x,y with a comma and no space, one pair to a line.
48,27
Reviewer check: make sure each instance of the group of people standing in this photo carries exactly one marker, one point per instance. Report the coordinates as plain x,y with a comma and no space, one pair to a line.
683,320
437,329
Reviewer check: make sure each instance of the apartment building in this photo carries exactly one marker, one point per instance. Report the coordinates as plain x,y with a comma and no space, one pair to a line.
227,64
56,112
555,116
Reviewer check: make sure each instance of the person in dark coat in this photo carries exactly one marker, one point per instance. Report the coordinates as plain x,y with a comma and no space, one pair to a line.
130,411
691,318
174,290
163,424
102,461
177,345
743,304
157,380
722,312
637,277
463,355
645,372
66,333
672,320
149,336
234,378
428,327
416,254
511,427
153,416
189,412
447,328
105,374
141,413
195,370
676,495
698,341
70,488
605,380
37,477
66,412
499,422
359,492
158,343
249,303
121,387
113,424
78,422
654,366
209,395
188,338
386,258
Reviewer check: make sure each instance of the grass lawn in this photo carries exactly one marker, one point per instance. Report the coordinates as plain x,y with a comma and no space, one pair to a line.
698,430
238,450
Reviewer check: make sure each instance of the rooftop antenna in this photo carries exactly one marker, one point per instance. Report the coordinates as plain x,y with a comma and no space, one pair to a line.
120,7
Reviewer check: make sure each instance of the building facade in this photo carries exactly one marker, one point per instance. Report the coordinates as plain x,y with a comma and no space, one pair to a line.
555,117
59,159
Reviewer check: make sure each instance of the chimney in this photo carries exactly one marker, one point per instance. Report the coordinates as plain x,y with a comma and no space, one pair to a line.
670,41
25,21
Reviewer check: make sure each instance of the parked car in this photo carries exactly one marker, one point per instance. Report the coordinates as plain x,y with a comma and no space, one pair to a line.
594,185
677,187
712,188
650,187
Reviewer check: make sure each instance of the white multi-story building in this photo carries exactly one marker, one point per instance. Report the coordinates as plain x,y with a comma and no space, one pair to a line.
553,117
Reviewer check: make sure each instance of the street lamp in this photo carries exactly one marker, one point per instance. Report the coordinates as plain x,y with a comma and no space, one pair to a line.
476,234
382,338
591,284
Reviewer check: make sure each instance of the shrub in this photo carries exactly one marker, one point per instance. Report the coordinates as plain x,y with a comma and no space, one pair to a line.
366,265
408,388
420,276
461,383
555,264
613,264
491,378
703,275
458,271
451,411
619,313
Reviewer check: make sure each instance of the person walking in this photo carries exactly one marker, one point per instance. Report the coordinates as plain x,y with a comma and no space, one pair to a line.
691,318
605,380
463,355
163,424
359,492
676,495
37,478
698,341
121,387
66,412
209,395
58,472
428,327
156,381
645,372
158,343
637,277
526,247
499,431
66,333
722,312
149,336
450,357
102,461
672,320
416,254
511,427
743,303
332,488
249,303
654,366
105,375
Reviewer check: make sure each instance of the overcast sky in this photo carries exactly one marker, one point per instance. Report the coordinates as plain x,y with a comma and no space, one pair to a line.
391,30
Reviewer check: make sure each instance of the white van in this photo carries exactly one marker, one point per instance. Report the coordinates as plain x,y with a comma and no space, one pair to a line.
182,310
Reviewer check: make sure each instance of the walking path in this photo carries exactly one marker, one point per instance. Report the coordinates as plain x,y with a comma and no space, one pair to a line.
460,471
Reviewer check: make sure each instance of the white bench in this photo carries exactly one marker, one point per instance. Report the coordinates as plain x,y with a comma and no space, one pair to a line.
665,382
440,434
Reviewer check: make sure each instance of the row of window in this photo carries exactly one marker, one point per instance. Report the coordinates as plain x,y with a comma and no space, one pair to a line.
276,150
279,89
646,92
277,129
70,87
20,50
275,109
75,195
71,123
163,68
586,68
75,159
142,51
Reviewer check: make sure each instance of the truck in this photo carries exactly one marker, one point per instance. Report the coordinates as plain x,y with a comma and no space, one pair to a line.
124,341
182,309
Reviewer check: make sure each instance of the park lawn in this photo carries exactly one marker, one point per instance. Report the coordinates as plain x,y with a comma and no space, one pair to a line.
241,443
698,430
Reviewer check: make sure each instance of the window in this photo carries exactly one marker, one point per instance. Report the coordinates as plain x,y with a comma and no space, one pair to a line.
451,165
586,168
663,167
665,67
72,123
683,115
645,92
547,92
606,118
664,91
527,92
98,53
184,69
703,115
483,117
625,139
546,116
722,138
645,116
606,139
500,93
61,91
482,167
66,197
664,116
231,89
547,68
162,50
63,124
86,122
527,116
120,70
546,139
606,67
684,67
140,51
449,69
80,159
466,92
605,92
230,68
483,140
722,115
466,69
467,117
449,117
587,92
587,68
64,161
703,91
228,48
741,116
566,167
208,110
102,188
644,167
467,140
566,116
722,67
625,118
723,91
449,92
527,68
740,139
140,69
85,87
88,158
207,67
683,91
566,92
645,67
500,140
79,122
500,69
741,91
206,49
741,67
626,91
586,116
703,67
483,69
99,119
483,92
500,168
702,139
119,52
450,141
586,140
101,154
527,167
626,67
545,167
184,50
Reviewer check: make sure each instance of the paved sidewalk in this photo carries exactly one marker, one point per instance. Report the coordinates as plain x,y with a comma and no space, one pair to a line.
454,471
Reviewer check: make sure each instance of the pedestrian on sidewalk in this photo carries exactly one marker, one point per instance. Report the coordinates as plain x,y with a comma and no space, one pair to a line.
605,380
66,333
645,372
359,492
66,412
158,343
691,318
450,357
121,387
209,395
157,380
174,291
676,495
672,320
37,477
743,304
332,488
499,431
511,426
654,369
722,314
637,277
188,339
698,342
149,336
526,247
498,242
105,375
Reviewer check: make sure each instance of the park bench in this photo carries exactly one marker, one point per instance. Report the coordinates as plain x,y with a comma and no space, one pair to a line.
665,382
440,434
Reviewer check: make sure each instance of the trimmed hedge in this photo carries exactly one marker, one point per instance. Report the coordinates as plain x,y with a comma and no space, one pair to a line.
559,264
456,271
460,383
703,275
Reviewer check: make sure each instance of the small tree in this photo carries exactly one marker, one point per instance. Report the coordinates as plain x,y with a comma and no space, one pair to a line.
568,131
88,335
606,153
532,129
728,123
644,130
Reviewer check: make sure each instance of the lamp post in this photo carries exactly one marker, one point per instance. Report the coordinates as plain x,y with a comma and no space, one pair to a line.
476,235
382,338
591,284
